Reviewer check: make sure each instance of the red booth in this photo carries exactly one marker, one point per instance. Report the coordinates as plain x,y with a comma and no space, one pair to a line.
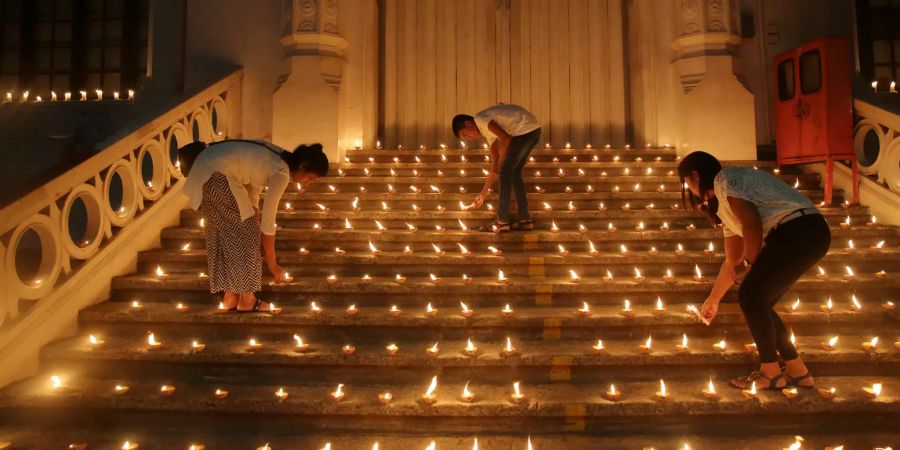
814,107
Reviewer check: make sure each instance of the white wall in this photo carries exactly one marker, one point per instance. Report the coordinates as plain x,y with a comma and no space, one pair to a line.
222,34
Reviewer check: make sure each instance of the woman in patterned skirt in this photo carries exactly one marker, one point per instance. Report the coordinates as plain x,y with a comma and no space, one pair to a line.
224,183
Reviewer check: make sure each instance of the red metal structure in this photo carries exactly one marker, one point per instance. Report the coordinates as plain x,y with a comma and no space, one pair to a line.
814,107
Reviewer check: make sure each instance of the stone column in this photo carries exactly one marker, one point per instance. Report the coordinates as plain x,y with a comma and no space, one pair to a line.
719,109
306,102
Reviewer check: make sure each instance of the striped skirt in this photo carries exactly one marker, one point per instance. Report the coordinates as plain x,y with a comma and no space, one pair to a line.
233,246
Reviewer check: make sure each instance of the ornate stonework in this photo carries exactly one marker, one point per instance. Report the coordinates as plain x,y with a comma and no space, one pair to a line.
307,12
690,11
330,17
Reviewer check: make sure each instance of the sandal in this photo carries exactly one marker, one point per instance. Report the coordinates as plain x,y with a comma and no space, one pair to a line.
255,309
524,225
796,381
496,227
745,381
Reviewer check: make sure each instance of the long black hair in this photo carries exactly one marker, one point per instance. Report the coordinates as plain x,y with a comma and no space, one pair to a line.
707,167
310,158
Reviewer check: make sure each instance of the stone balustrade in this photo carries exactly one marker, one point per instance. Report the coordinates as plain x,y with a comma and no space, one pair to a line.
876,141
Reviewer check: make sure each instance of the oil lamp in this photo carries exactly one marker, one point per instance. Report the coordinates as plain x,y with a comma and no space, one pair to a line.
877,247
873,391
647,346
166,390
152,343
850,247
411,228
121,389
299,345
710,391
568,190
562,250
338,393
830,344
571,206
683,346
662,394
821,275
623,249
181,307
573,276
509,350
160,273
589,189
433,350
348,349
598,347
399,279
637,275
517,396
281,395
197,346
592,249
407,251
720,346
384,398
612,394
664,226
539,189
584,310
430,397
790,392
855,305
668,278
394,311
679,250
660,308
750,394
828,306
437,250
697,275
392,349
888,306
56,382
880,275
827,393
331,279
661,188
608,277
547,206
463,249
502,279
253,345
553,227
470,349
626,207
871,345
93,342
467,395
128,445
602,207
351,310
430,311
507,310
435,280
846,223
465,310
872,223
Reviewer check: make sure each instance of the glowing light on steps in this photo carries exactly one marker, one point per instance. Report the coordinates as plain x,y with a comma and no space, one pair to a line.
871,345
517,396
433,350
465,310
873,391
338,393
647,346
683,346
94,342
585,309
720,346
830,344
662,394
467,395
598,347
152,343
828,306
470,349
430,396
855,305
710,391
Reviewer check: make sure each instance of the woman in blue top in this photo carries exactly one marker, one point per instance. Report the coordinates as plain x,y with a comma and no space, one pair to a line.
773,235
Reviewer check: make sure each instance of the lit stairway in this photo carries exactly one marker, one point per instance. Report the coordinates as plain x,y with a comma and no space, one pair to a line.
566,319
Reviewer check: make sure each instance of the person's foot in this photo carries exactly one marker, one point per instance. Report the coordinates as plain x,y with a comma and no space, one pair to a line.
249,303
763,381
798,375
230,301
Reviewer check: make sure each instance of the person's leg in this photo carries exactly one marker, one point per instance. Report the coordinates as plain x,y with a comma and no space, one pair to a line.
213,208
507,170
530,140
789,252
250,250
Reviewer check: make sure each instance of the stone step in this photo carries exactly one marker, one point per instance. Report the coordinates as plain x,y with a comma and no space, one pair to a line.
362,172
484,320
546,407
540,261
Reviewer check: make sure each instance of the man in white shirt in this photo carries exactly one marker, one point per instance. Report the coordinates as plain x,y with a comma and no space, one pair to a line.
511,131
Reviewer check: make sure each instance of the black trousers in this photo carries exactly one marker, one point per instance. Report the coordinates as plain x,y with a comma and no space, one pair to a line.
791,249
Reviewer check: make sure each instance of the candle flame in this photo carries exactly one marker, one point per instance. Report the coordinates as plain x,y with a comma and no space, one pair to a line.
833,341
466,392
151,340
649,342
711,388
856,304
876,389
659,304
339,392
160,272
662,388
627,306
574,275
470,347
431,387
509,347
464,307
684,341
599,345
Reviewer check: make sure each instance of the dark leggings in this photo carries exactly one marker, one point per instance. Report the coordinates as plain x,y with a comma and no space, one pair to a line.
791,249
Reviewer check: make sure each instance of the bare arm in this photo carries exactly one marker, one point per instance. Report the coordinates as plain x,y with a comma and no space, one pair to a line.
734,248
751,227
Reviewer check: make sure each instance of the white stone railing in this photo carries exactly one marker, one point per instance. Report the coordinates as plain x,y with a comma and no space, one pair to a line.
39,300
877,129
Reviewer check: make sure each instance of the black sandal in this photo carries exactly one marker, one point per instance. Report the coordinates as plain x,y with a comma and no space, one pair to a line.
745,381
524,225
496,227
255,308
796,381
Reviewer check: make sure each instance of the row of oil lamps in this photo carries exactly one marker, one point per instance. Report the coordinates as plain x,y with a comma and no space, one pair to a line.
547,146
574,277
508,350
26,96
560,172
517,396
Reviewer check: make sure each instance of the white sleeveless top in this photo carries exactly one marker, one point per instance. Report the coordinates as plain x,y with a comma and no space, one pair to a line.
773,198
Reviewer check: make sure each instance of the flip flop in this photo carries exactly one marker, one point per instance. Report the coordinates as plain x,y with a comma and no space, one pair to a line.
523,225
496,227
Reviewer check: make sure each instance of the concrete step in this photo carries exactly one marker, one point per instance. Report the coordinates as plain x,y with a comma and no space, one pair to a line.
545,407
168,435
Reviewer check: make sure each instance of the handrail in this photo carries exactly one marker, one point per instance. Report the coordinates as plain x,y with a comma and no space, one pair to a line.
873,121
136,161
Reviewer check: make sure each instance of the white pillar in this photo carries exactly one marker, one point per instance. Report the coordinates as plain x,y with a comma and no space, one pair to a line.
719,110
306,103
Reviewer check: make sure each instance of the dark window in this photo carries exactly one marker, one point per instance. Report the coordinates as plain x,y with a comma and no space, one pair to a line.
786,80
810,72
72,45
878,35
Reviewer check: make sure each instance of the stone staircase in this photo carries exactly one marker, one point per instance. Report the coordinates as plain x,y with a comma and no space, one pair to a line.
225,393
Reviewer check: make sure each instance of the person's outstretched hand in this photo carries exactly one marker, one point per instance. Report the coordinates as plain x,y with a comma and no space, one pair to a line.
709,310
479,200
278,273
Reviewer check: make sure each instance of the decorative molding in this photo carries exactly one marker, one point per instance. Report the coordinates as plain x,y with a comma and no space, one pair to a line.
330,17
307,12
